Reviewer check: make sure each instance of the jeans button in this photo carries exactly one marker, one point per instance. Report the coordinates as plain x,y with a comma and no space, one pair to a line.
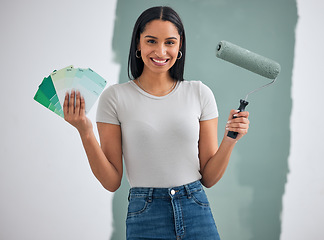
172,192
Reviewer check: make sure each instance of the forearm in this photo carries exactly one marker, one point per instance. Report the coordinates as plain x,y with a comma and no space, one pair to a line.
217,164
103,170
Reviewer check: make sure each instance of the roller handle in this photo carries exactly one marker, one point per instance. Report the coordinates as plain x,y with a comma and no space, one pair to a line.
242,106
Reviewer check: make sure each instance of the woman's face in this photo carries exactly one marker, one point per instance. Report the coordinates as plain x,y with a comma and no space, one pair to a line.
159,45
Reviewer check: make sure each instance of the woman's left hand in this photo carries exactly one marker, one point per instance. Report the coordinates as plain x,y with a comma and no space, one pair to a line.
239,124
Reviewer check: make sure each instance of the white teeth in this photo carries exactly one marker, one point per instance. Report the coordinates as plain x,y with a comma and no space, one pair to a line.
157,61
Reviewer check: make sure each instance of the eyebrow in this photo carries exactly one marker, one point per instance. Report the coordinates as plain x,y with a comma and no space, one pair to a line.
149,36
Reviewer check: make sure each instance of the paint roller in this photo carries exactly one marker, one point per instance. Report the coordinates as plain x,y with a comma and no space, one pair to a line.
250,61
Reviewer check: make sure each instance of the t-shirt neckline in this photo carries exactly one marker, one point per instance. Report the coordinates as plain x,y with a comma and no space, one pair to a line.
153,96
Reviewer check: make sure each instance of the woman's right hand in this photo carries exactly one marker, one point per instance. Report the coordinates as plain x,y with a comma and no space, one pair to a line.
75,113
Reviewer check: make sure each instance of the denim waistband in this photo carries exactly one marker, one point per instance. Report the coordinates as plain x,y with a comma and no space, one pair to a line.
184,190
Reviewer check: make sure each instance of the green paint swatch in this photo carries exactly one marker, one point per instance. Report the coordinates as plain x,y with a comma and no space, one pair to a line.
48,89
51,92
41,97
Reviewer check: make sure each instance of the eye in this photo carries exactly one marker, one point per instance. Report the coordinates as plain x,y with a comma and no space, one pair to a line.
170,43
151,41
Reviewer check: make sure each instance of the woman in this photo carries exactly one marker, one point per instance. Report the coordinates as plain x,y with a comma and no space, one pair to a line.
166,130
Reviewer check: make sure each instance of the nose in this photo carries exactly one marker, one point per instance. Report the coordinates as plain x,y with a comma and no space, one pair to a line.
160,51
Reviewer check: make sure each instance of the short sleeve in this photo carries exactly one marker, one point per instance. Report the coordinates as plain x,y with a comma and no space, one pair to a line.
107,106
209,108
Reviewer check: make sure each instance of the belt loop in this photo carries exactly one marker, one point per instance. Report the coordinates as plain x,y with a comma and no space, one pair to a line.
150,195
129,195
188,190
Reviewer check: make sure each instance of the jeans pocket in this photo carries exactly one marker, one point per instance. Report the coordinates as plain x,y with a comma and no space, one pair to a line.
200,198
136,206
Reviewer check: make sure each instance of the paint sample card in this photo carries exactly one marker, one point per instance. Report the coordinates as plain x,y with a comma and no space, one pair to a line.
42,99
51,92
61,84
48,89
90,85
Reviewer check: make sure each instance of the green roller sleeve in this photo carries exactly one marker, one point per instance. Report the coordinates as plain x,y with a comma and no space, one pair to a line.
247,59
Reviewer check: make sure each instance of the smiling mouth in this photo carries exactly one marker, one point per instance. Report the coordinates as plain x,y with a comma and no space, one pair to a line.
159,61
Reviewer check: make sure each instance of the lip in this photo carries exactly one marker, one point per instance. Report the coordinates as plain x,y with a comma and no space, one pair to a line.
159,62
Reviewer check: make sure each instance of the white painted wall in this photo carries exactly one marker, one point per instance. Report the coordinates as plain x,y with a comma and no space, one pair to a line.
303,202
47,190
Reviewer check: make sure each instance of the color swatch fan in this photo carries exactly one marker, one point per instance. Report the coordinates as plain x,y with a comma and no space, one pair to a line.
51,92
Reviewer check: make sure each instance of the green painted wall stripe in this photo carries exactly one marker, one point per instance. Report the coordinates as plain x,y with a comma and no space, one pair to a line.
246,203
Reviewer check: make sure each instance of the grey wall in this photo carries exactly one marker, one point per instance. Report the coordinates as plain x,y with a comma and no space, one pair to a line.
303,208
47,190
247,202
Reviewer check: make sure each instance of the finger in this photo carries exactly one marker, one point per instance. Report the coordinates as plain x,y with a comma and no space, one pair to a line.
82,107
71,103
66,104
237,124
77,103
239,120
242,129
243,114
233,113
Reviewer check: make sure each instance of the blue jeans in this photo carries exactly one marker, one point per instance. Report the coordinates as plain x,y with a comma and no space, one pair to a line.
170,213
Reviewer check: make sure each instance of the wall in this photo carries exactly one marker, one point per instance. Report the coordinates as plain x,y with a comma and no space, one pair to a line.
47,189
246,203
303,208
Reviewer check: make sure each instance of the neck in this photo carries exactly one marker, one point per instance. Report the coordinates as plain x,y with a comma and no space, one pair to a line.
156,84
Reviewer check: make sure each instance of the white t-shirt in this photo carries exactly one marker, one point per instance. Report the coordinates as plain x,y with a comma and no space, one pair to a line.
159,134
